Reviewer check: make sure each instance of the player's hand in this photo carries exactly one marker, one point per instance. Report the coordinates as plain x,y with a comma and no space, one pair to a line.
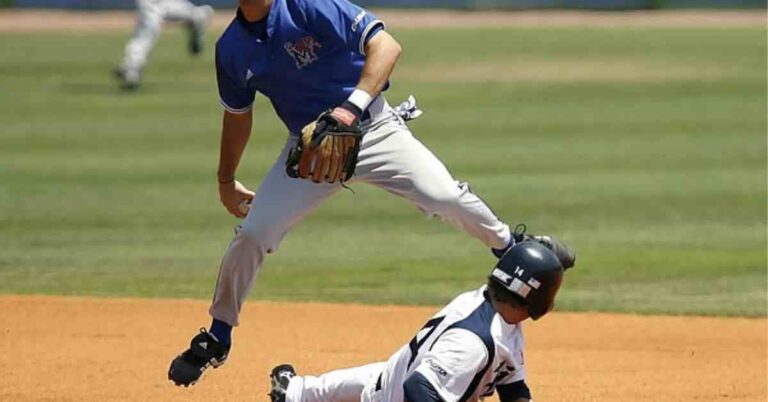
344,118
233,195
327,151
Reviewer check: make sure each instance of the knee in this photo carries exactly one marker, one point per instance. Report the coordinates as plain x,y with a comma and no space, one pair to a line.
261,237
443,201
150,24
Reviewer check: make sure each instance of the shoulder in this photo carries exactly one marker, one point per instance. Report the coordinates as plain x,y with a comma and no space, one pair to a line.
479,311
229,39
463,341
328,8
456,351
475,316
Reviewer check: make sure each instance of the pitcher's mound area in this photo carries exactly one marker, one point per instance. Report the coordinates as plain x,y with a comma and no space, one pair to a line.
82,349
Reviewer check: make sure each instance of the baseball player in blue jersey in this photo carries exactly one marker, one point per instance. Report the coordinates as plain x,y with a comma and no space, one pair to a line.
323,65
470,349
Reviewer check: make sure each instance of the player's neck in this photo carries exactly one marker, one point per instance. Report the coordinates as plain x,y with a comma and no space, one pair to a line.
510,314
255,10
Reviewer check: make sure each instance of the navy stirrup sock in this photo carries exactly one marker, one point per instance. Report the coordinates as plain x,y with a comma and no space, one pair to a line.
222,331
499,252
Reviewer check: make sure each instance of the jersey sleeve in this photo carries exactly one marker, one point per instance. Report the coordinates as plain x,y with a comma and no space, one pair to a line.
234,94
453,362
343,22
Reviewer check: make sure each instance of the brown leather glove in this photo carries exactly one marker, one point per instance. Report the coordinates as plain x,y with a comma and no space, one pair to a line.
328,148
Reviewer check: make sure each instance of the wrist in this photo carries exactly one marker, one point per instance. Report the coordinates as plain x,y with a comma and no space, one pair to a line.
360,99
226,179
354,112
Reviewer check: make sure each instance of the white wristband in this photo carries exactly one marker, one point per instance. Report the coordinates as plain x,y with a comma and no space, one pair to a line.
360,98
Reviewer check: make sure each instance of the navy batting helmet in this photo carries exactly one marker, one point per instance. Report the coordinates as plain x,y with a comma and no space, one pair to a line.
532,273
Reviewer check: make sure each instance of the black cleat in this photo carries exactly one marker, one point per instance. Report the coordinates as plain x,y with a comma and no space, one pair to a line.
280,378
204,351
564,253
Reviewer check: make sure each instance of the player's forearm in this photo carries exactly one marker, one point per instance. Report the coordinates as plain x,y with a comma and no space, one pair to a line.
514,392
382,52
235,131
418,389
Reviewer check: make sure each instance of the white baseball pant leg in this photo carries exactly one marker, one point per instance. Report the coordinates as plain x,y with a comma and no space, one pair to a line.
390,158
280,203
151,14
393,159
345,385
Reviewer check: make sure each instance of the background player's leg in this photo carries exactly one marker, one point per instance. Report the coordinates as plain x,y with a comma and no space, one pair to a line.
280,203
178,10
148,26
343,385
394,160
195,17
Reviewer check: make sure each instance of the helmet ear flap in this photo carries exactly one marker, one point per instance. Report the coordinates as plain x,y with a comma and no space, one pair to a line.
543,302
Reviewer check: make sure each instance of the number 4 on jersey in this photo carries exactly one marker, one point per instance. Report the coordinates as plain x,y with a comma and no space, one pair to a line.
415,344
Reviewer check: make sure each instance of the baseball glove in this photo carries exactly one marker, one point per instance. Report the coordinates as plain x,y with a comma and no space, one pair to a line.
328,147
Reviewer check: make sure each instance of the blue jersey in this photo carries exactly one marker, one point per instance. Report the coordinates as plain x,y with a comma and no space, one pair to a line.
306,57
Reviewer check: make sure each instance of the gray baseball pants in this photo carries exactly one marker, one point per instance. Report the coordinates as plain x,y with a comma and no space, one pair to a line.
390,158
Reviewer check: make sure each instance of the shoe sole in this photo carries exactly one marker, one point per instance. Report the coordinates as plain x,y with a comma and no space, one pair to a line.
208,365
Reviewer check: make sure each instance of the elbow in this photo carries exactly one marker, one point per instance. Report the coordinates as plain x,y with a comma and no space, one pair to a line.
383,47
514,392
391,46
395,49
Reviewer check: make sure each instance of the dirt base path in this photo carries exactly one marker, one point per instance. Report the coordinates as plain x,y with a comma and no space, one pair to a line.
98,21
81,349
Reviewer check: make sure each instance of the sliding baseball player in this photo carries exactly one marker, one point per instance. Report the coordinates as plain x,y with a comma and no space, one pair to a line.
470,349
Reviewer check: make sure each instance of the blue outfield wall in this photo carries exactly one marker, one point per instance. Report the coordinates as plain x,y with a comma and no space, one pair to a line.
458,4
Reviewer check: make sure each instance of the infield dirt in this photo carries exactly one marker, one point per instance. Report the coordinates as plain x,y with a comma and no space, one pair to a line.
84,349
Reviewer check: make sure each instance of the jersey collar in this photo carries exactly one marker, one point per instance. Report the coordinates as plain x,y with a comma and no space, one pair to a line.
262,29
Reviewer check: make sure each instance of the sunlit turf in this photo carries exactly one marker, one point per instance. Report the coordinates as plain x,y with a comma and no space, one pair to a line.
645,148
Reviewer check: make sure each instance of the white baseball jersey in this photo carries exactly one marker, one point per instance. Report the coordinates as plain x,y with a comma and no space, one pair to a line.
464,351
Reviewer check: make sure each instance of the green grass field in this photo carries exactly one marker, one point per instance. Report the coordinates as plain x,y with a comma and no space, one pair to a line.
643,147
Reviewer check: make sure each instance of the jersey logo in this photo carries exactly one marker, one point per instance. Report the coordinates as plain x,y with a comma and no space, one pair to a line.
415,344
515,284
358,19
436,367
303,51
